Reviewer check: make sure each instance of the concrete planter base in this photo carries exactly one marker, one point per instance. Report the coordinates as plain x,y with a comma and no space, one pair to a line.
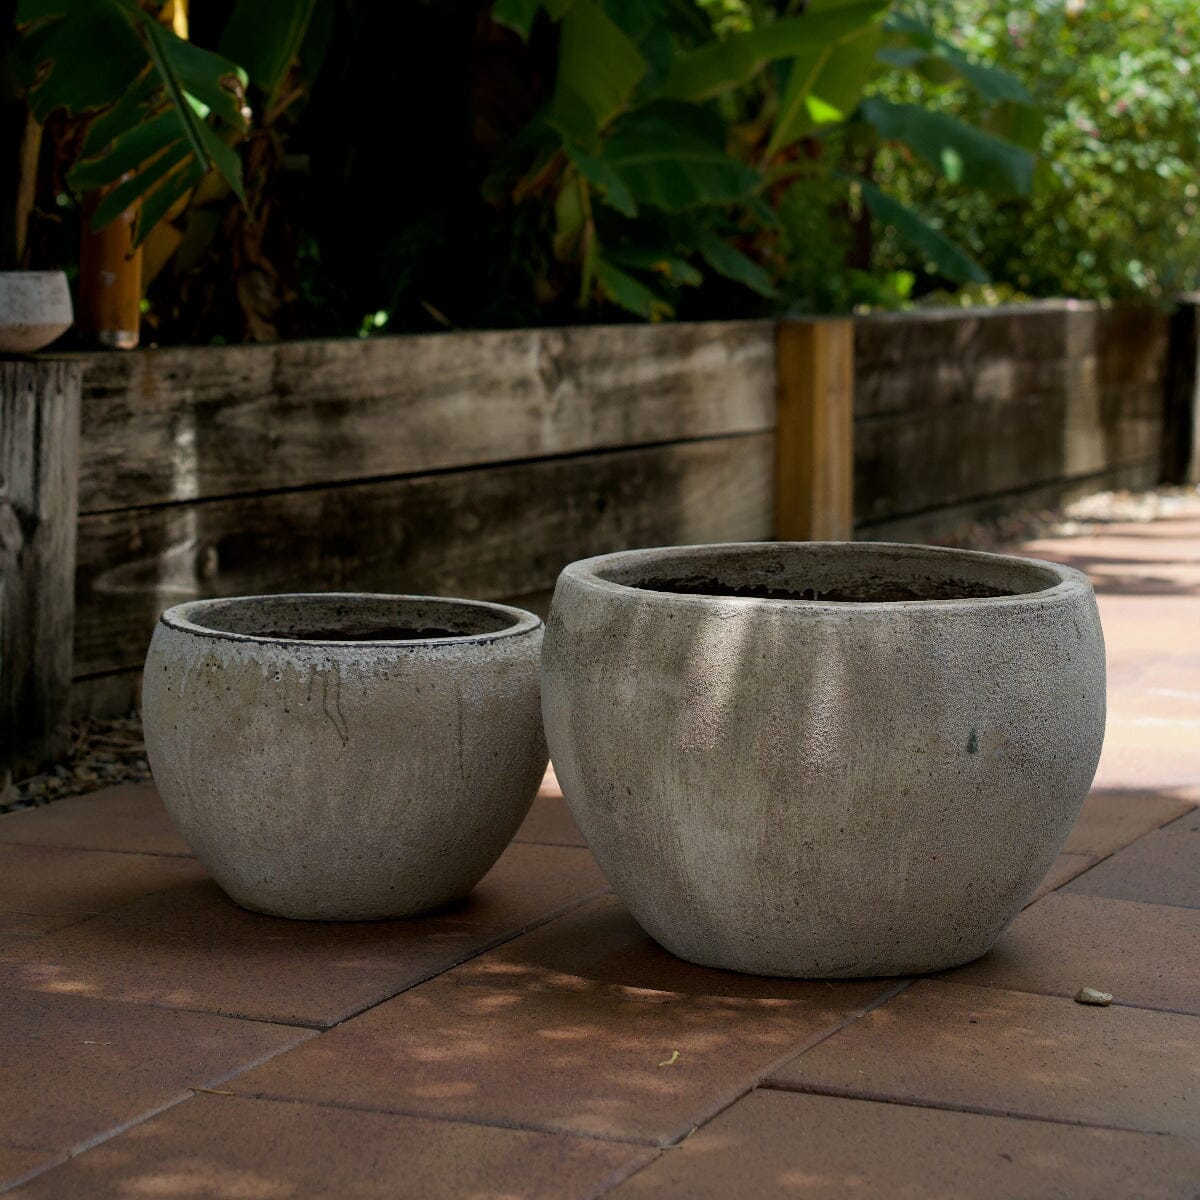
824,759
345,757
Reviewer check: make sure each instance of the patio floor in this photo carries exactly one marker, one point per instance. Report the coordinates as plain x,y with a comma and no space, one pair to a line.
157,1041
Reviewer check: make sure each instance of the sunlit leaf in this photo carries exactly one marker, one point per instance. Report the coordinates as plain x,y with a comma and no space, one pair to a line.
127,152
86,61
131,190
824,91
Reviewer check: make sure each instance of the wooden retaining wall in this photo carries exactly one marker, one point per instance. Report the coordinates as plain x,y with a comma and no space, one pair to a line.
963,414
479,464
466,464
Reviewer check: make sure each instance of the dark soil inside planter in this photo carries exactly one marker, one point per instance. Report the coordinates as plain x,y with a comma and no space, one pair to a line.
865,591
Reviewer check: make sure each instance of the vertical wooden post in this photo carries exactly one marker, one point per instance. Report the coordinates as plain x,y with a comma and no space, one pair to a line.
815,479
39,474
1181,416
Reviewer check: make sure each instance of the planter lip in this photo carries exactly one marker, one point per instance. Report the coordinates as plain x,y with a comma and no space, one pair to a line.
33,276
1069,581
185,618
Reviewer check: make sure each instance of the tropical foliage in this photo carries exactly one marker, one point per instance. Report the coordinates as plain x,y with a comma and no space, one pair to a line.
650,157
674,145
165,111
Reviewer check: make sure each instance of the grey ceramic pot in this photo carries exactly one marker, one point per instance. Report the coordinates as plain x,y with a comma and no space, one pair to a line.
345,756
824,759
35,309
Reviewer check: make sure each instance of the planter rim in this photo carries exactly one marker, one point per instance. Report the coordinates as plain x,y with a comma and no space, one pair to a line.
1070,582
186,618
31,275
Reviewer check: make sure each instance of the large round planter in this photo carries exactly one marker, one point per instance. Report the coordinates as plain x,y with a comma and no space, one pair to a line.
35,308
345,757
824,759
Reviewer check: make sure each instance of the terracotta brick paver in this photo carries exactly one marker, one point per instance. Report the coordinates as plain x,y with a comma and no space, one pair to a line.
778,1144
1111,820
190,947
48,887
549,822
1064,868
533,1041
584,1026
1014,1054
232,1149
1162,868
1144,954
18,1163
73,1068
128,817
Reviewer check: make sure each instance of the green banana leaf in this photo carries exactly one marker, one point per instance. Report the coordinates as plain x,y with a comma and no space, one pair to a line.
824,88
946,257
598,68
518,15
916,45
961,152
630,293
166,110
672,156
732,263
724,64
265,36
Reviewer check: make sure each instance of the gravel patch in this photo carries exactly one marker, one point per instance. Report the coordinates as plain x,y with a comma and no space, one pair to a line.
1079,519
102,753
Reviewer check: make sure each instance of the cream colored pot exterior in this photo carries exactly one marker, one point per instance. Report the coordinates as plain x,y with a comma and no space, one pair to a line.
378,776
818,788
35,308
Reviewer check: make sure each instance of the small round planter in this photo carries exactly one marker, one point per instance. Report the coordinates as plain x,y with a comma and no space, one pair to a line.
824,759
345,756
35,308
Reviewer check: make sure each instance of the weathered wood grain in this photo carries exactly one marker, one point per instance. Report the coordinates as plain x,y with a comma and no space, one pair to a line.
1026,398
910,361
904,341
39,465
909,462
184,424
1132,344
493,532
948,524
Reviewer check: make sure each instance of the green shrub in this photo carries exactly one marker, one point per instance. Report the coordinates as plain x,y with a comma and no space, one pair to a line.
1113,213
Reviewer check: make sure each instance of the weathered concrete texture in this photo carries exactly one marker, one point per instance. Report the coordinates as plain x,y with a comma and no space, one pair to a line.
345,757
819,787
35,308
